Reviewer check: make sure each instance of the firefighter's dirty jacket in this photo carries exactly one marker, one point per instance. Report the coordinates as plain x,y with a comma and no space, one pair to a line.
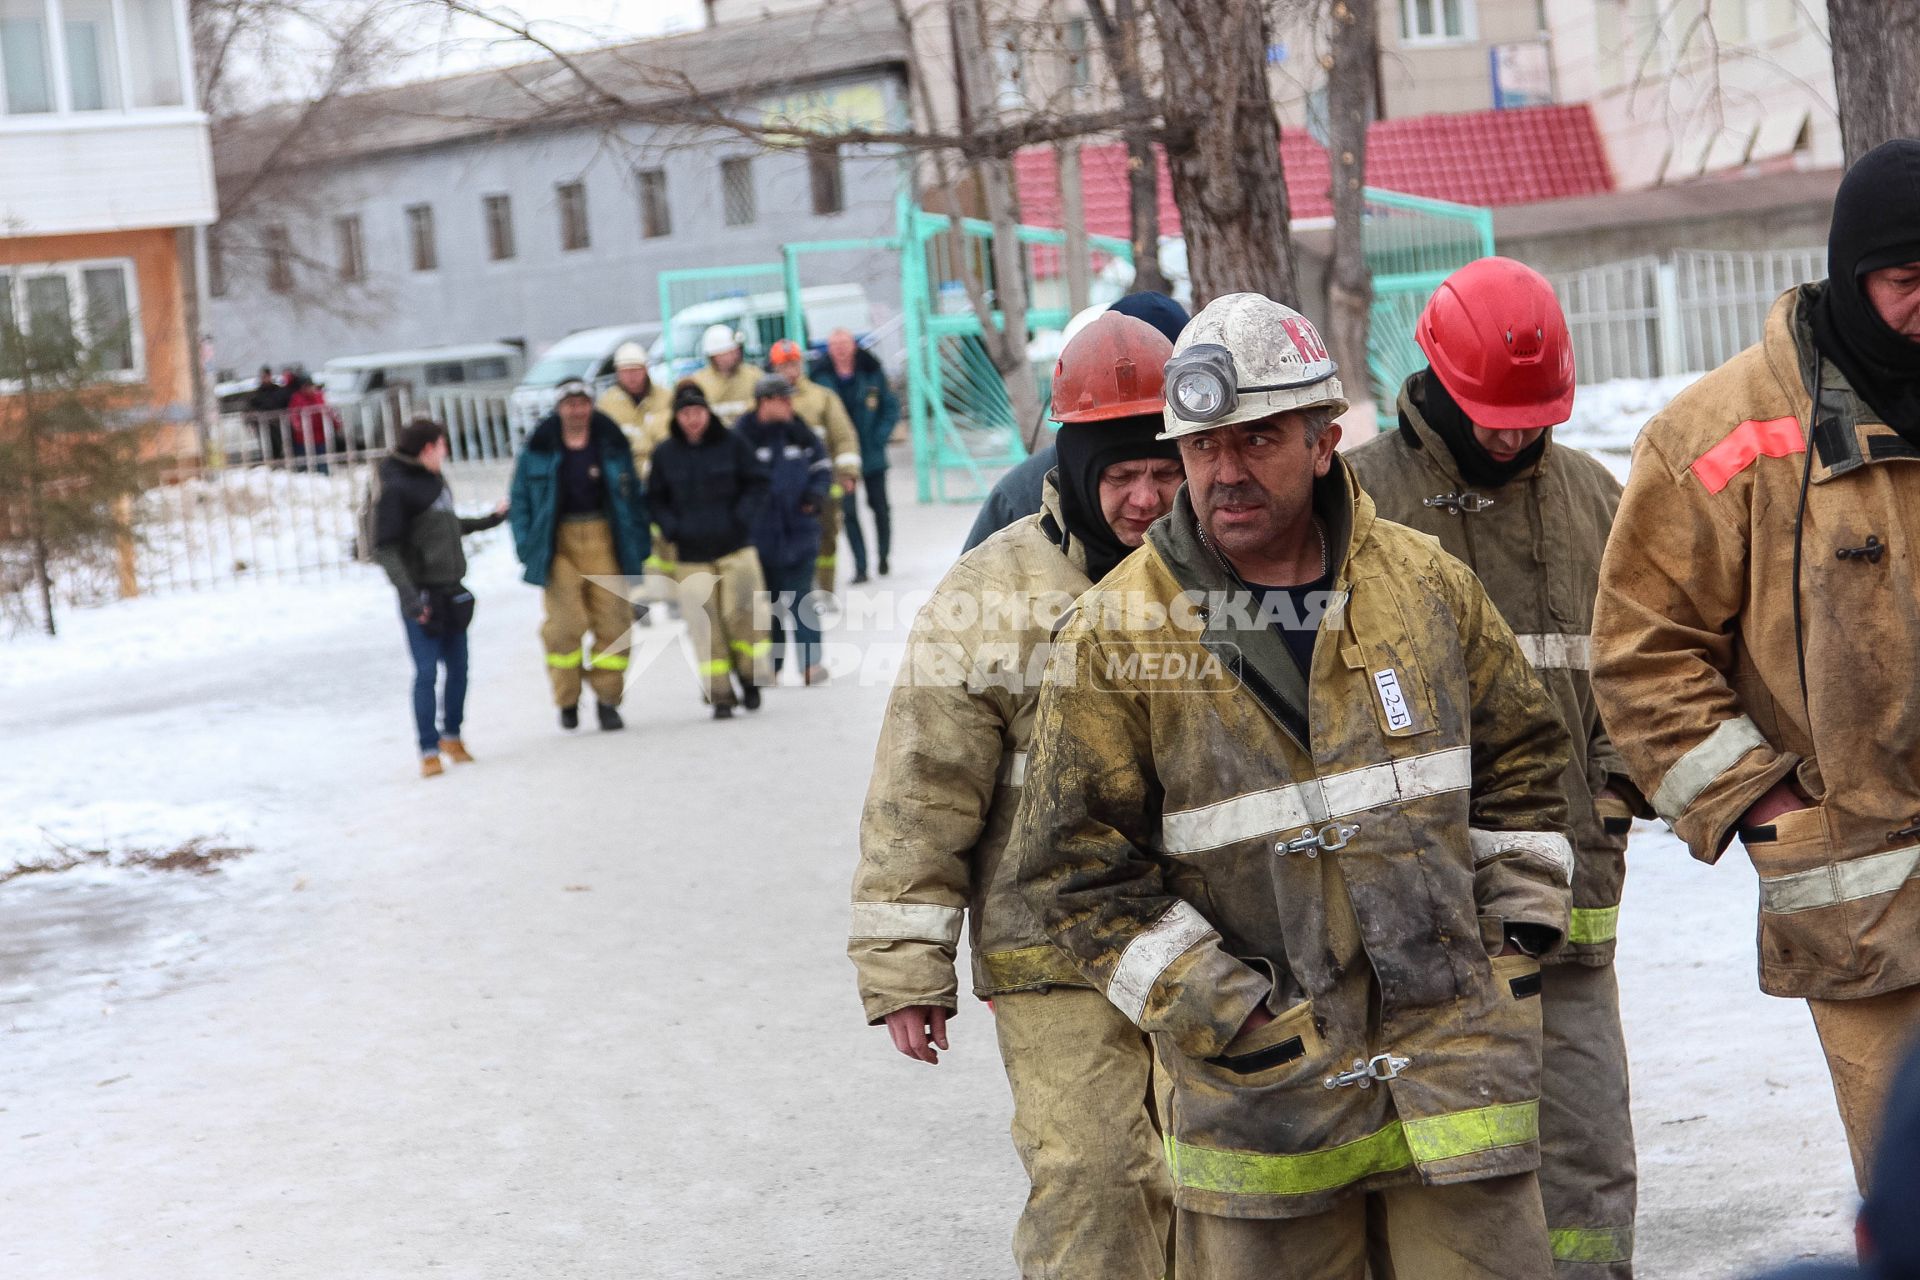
821,409
1347,847
1699,675
947,777
1535,544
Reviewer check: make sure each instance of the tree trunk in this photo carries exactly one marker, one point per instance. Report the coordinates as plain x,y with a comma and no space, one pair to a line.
1225,149
1120,36
1073,216
1350,105
1006,345
1876,71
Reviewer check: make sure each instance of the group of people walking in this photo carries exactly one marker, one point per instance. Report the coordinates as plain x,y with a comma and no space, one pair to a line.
1294,885
726,490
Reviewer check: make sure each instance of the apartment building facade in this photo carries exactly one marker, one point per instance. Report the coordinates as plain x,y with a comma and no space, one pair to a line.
105,172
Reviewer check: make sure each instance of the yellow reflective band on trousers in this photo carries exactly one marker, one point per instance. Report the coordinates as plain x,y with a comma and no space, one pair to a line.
753,648
609,662
825,562
1397,1146
1594,924
717,667
566,661
657,565
1592,1244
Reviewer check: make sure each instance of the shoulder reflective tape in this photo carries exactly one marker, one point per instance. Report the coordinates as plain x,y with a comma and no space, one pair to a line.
1261,813
1550,652
1592,1244
1397,1146
906,921
1593,924
1774,438
1549,847
1149,954
1848,881
1013,770
1702,766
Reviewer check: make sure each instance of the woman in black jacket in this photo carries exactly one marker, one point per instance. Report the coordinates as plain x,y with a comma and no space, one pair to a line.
704,490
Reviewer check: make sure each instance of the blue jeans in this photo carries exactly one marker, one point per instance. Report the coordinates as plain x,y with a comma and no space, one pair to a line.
430,653
788,586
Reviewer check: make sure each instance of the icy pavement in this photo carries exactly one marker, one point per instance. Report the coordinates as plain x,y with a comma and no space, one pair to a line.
582,1009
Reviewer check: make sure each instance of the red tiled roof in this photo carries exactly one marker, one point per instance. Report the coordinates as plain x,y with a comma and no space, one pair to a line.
1487,158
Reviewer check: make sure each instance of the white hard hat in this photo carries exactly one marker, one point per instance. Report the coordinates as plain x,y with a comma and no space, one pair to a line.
719,338
1243,358
630,355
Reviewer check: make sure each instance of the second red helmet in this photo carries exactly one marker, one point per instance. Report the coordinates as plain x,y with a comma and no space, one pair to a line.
1496,338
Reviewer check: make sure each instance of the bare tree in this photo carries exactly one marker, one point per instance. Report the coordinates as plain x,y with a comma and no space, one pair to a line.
1352,95
1223,148
1876,71
1121,36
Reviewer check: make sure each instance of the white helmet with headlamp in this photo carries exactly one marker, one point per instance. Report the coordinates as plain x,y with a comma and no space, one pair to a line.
1243,358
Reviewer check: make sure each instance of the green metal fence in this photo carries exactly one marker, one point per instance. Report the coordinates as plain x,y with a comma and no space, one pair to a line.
752,299
1412,244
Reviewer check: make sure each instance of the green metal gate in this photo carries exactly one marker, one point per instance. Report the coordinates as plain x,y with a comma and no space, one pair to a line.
1412,244
752,299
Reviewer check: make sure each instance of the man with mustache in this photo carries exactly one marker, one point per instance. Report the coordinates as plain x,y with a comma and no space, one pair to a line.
1294,804
947,779
1758,630
1474,464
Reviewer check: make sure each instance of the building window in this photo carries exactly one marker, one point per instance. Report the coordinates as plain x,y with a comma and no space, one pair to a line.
278,248
84,307
24,61
573,216
426,256
216,265
93,69
352,246
499,214
736,190
1079,57
153,50
1432,21
656,219
823,169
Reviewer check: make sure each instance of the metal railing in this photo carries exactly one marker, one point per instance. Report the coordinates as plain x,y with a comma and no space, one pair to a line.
1693,311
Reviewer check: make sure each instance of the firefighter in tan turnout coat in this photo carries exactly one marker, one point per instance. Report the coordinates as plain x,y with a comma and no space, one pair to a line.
1758,633
947,779
1473,464
1293,802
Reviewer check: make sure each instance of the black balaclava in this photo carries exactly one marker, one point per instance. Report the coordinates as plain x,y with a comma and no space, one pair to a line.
1086,449
1450,422
1876,223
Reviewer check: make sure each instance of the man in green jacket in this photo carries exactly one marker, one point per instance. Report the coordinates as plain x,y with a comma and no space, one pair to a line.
1474,464
415,537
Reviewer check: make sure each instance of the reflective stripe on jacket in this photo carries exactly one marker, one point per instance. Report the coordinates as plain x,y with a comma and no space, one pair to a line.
1195,858
947,777
1696,668
1535,544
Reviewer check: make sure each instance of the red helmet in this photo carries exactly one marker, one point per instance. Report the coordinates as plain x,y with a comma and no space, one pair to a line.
1113,368
1495,335
785,351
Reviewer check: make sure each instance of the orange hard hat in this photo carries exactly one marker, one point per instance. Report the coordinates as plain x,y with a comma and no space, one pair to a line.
1113,368
1496,337
785,351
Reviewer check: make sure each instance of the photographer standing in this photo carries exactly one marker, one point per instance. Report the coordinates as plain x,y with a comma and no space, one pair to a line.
416,538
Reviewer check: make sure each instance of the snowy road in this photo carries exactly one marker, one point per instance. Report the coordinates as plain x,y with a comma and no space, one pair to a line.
583,1009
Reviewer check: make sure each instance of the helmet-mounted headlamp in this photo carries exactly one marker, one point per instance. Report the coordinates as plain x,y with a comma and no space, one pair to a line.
1202,385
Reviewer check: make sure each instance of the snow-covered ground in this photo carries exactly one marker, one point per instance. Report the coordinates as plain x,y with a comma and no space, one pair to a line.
582,1009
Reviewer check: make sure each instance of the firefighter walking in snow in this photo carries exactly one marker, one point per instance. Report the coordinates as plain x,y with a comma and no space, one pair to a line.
1759,629
821,410
1294,804
726,379
1473,464
947,779
577,513
706,489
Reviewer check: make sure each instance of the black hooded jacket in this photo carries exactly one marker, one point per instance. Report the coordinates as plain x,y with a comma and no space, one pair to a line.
705,496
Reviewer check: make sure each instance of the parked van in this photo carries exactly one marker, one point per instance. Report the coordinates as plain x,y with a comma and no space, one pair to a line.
761,319
587,355
413,376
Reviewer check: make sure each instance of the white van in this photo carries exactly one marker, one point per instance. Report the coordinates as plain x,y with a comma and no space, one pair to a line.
484,367
761,319
586,355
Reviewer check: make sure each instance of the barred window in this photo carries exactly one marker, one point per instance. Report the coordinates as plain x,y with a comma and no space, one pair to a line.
278,247
736,189
656,219
499,215
352,245
573,216
426,255
823,170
